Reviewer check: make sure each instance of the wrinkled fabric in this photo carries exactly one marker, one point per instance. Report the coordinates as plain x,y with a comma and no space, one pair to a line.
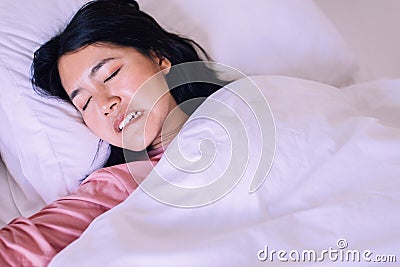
34,241
334,181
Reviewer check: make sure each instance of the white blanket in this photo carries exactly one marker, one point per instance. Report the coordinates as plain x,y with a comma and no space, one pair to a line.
334,185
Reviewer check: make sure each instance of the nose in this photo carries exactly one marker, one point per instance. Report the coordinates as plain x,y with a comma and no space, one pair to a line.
110,105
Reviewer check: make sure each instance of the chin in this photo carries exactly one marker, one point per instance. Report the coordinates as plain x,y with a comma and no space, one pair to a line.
134,141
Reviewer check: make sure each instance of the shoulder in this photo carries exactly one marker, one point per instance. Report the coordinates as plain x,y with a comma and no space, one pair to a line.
127,175
115,171
114,176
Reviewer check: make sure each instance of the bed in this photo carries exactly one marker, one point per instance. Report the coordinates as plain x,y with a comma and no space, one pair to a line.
309,135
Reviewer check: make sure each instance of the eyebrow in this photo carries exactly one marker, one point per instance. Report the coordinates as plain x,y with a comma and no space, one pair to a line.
74,94
93,72
99,65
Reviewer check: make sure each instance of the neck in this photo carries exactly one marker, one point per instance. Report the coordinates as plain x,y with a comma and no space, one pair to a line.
172,125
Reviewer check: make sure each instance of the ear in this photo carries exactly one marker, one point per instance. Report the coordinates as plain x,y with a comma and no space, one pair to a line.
163,62
165,65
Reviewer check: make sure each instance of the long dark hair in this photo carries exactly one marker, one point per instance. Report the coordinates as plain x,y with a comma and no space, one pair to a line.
122,23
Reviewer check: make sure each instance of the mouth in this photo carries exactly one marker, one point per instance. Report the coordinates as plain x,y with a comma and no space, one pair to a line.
120,123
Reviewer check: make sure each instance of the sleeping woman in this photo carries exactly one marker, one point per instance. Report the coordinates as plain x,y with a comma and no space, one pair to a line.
98,63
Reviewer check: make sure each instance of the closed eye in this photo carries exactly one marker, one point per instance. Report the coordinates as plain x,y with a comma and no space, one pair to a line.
112,75
86,104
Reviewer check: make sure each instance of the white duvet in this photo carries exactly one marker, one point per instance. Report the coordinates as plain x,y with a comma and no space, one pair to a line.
333,186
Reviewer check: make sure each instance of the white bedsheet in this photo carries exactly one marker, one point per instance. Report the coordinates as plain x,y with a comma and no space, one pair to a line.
335,176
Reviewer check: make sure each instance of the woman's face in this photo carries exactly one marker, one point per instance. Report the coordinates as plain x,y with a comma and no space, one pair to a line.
105,82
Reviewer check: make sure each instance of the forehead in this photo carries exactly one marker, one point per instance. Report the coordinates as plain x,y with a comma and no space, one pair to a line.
90,54
73,66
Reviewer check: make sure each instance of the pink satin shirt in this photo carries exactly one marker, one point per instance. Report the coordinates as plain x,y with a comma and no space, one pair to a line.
34,241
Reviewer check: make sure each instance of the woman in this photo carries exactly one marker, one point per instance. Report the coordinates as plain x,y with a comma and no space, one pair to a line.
113,62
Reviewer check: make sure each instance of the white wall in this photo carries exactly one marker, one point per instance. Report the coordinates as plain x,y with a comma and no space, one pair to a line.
372,30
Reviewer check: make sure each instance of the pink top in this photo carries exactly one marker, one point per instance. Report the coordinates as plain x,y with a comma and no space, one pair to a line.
34,241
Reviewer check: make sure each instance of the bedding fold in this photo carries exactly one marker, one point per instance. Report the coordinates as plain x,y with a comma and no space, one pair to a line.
333,184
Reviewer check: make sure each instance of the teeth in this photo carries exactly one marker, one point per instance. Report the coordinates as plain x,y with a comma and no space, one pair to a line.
128,118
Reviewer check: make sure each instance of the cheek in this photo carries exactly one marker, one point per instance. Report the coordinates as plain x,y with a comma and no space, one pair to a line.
98,127
155,121
145,94
90,121
153,125
140,135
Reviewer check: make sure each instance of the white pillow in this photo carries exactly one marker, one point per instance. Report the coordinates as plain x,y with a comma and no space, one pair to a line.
43,142
284,37
7,206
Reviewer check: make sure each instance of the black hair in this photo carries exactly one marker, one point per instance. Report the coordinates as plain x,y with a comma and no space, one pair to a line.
120,22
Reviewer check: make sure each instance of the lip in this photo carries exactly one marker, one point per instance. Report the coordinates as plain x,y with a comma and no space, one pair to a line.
121,117
117,122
